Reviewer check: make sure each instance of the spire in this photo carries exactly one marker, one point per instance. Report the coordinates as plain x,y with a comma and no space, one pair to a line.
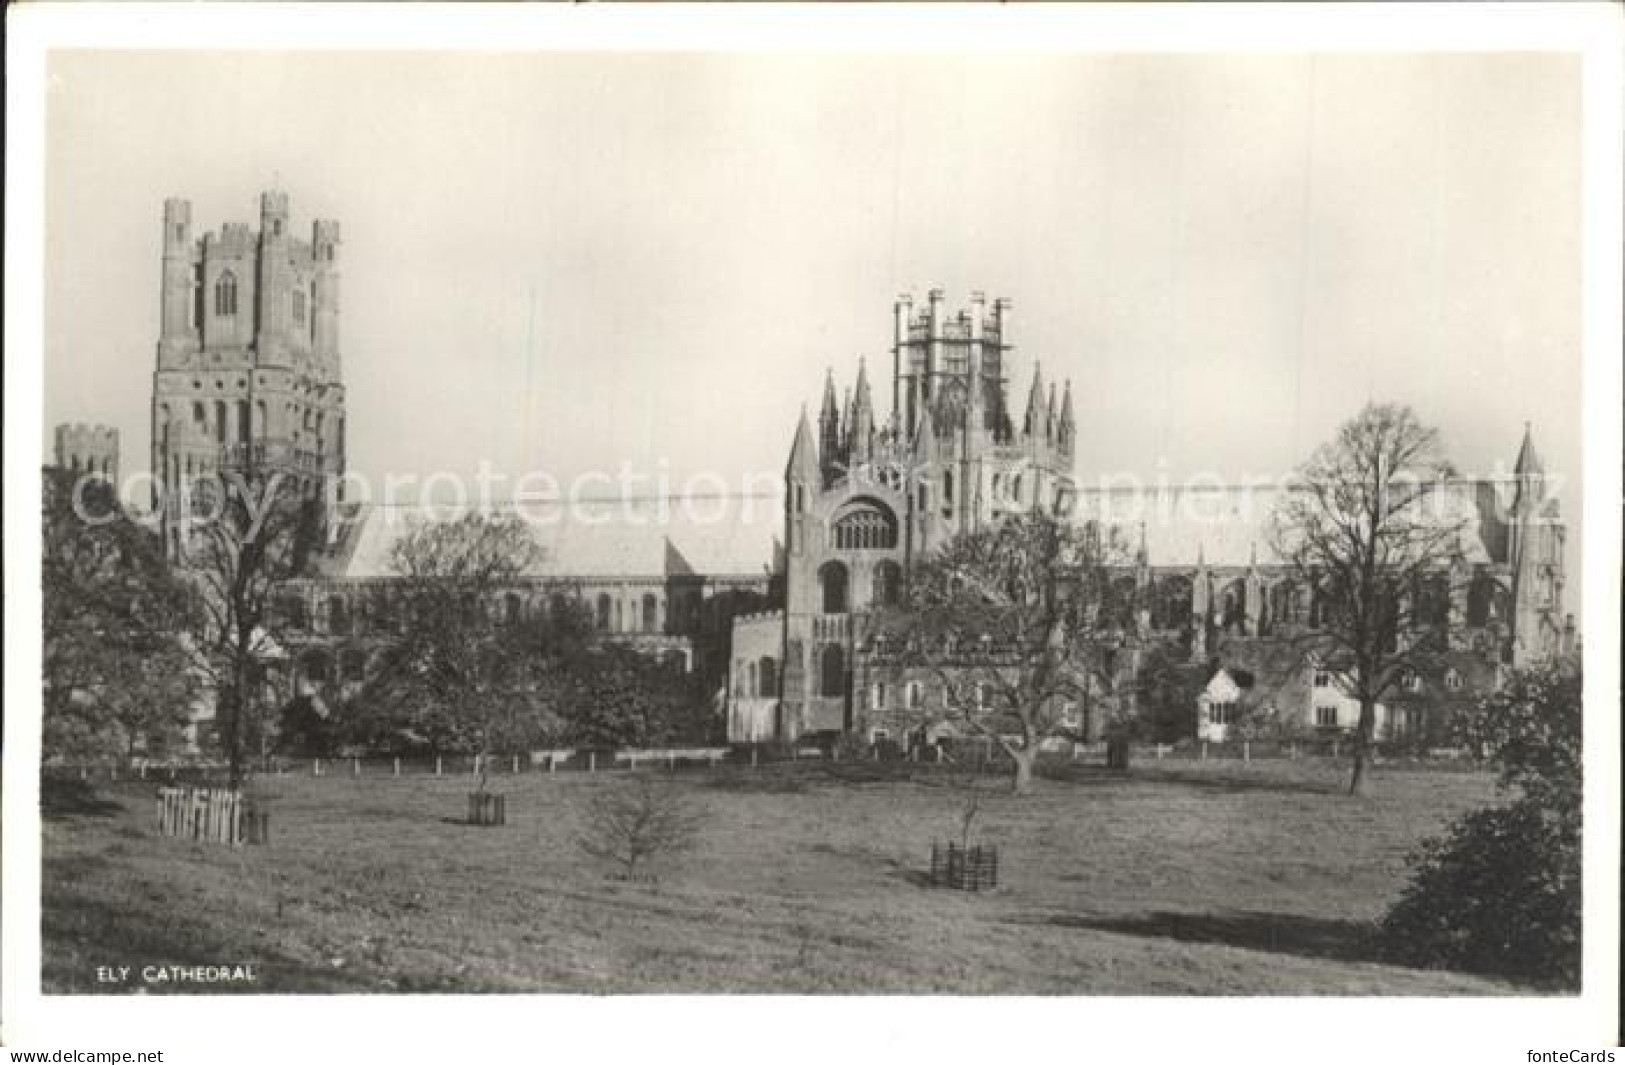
829,426
803,464
1049,412
1528,464
1529,471
861,431
1068,427
1035,401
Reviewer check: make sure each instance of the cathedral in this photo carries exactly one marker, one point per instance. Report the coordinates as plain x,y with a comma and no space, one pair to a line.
867,495
249,375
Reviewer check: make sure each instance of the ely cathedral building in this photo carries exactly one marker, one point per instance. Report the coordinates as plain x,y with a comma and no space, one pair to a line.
771,597
865,496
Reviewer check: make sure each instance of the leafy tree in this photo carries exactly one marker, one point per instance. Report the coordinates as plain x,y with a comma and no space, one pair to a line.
115,673
1366,527
250,534
448,678
1500,892
1008,619
1166,697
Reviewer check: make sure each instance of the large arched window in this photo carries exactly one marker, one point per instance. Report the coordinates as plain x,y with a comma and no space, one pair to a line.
832,581
1172,609
832,670
1233,606
768,678
888,590
1285,604
865,524
225,295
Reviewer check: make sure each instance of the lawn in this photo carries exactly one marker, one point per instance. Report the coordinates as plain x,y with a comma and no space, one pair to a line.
1190,878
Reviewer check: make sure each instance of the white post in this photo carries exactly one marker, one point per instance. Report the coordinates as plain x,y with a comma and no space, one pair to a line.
355,767
397,767
592,761
316,767
476,765
143,771
516,765
437,765
1204,750
671,760
552,760
1246,750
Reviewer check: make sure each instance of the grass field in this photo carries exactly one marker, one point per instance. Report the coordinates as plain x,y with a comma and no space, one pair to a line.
1195,879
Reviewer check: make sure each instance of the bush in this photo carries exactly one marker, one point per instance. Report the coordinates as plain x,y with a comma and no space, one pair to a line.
1500,892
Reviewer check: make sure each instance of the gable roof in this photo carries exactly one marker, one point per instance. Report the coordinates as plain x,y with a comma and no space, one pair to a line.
650,538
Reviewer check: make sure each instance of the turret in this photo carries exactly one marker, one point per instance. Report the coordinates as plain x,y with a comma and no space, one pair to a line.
1067,431
829,428
179,298
861,433
325,290
1034,423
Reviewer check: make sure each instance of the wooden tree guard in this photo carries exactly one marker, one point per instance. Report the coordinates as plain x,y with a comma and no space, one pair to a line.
485,808
965,868
211,815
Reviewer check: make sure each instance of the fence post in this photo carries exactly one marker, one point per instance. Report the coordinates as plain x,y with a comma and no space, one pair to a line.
592,761
437,765
1334,750
316,767
671,760
1246,750
552,761
516,765
397,766
476,765
753,756
355,767
1204,750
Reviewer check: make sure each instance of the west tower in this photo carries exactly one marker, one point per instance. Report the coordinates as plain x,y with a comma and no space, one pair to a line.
249,375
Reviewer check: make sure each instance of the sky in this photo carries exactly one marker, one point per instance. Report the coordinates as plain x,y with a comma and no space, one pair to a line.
568,261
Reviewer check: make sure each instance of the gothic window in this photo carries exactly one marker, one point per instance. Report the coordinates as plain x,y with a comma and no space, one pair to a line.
651,613
913,695
1172,604
768,678
225,295
877,696
1284,606
752,680
832,580
888,590
220,421
338,617
863,526
244,427
299,306
832,671
947,488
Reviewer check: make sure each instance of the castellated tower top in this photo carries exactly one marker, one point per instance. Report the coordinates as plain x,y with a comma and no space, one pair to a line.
91,449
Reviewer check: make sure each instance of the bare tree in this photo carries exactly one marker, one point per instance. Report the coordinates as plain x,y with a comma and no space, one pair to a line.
1368,526
249,536
636,821
1009,620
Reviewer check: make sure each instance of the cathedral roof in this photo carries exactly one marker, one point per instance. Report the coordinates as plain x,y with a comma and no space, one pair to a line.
1229,525
650,538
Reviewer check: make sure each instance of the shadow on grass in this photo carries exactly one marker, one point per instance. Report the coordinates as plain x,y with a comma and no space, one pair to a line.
61,799
1325,938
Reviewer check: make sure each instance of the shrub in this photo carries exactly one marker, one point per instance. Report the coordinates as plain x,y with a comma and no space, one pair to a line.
1500,891
636,821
